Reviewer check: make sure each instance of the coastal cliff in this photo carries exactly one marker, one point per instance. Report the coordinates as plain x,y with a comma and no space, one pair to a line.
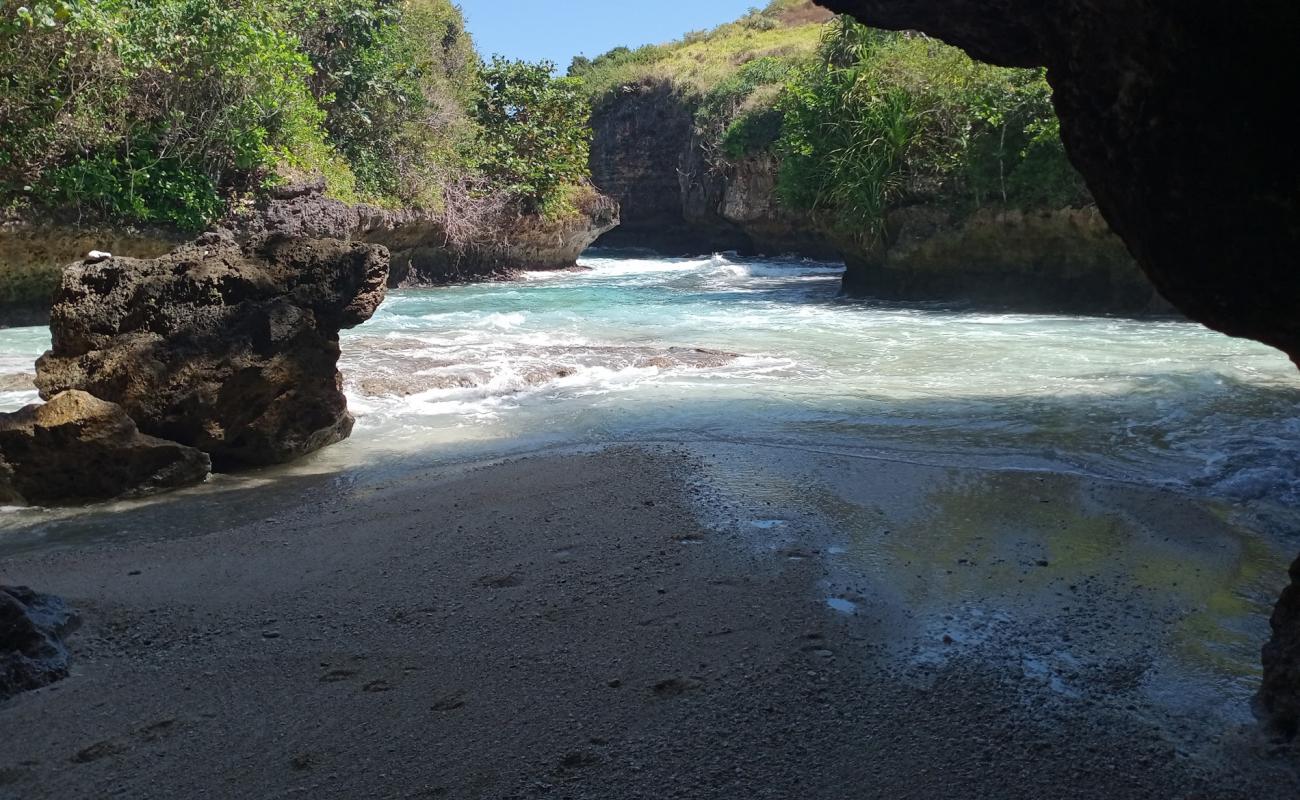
932,176
424,252
678,198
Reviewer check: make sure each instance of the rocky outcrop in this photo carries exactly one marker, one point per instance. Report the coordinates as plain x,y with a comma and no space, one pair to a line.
228,347
1064,260
641,141
1278,700
32,627
423,251
79,449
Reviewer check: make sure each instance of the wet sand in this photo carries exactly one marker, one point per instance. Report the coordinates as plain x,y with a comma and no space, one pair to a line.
658,622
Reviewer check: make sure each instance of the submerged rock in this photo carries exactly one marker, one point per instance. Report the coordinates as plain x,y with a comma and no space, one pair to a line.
398,374
32,654
77,448
228,347
1278,701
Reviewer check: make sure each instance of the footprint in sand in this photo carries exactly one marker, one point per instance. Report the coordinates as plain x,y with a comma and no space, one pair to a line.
675,687
448,702
500,581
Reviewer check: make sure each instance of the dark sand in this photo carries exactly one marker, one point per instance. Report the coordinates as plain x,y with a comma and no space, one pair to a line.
569,626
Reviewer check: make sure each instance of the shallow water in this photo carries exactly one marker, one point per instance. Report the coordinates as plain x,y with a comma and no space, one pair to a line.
570,357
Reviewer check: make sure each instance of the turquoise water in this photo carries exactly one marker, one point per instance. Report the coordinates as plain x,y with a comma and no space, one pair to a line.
570,357
585,357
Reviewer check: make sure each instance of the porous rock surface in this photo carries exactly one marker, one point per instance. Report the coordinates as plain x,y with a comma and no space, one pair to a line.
228,347
32,654
78,448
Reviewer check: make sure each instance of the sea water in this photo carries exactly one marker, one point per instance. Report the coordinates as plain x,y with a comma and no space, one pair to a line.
613,354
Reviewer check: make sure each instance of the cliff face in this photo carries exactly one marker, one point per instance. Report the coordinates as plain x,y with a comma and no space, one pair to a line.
677,200
639,154
424,253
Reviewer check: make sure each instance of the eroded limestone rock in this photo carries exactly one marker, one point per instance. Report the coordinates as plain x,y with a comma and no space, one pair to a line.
226,347
78,448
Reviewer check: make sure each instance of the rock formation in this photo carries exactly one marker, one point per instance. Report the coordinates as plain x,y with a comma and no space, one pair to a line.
423,251
1061,261
31,647
226,347
1279,694
77,448
1174,114
647,154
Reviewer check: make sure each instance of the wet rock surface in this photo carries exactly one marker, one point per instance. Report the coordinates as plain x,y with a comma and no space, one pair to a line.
227,347
77,448
1278,701
32,654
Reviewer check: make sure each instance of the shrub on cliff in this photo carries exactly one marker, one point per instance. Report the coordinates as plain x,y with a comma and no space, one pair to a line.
148,109
884,116
534,133
170,111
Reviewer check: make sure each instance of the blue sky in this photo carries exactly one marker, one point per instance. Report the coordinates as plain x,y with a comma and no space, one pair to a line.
557,31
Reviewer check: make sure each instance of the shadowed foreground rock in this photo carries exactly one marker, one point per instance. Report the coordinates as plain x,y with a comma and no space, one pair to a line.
77,448
31,649
1279,695
230,348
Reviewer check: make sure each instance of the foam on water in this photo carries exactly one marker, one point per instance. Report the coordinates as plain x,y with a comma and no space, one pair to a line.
586,357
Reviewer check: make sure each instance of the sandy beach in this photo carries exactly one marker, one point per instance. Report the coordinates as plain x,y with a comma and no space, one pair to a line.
618,624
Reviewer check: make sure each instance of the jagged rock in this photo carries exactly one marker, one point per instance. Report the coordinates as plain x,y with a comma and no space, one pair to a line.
32,654
1189,157
227,347
78,448
423,251
1278,700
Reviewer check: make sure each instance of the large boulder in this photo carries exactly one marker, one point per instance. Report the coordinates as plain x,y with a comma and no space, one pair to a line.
227,346
32,654
78,448
1278,700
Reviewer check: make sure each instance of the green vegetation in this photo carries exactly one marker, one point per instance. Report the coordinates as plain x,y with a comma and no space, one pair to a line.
535,138
857,120
172,111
